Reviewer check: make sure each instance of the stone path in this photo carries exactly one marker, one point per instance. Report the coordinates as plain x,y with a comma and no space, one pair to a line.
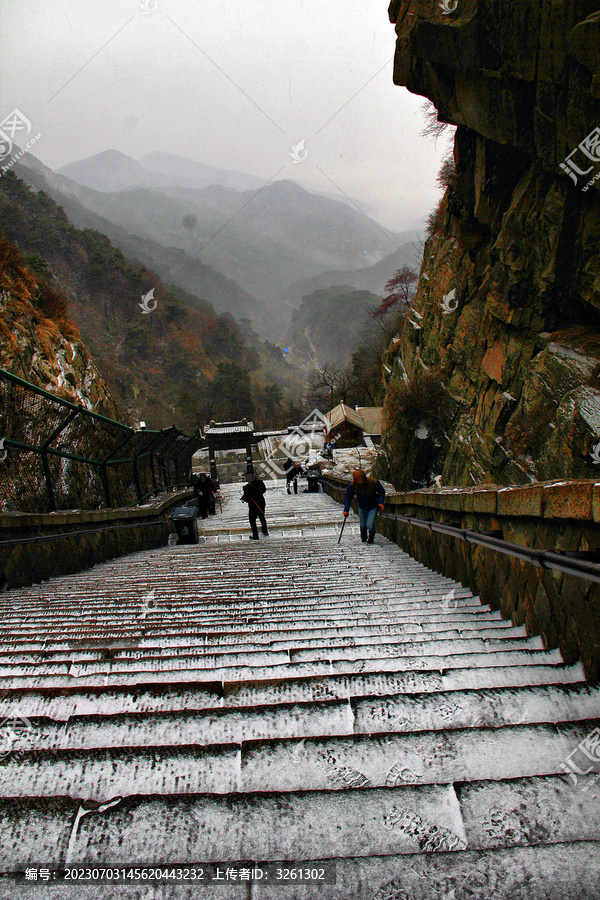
290,699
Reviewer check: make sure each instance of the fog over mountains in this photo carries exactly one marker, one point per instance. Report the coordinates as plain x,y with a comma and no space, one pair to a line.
112,170
268,241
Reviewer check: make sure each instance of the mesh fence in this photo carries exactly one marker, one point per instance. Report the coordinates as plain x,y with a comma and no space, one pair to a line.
55,455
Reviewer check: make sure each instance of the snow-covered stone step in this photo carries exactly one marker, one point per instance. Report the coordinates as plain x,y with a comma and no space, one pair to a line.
369,715
389,634
238,615
486,708
381,821
318,825
92,674
408,647
322,648
108,605
226,623
248,657
102,774
201,562
273,553
382,683
277,532
283,765
569,871
212,584
60,704
406,819
332,717
522,811
194,634
265,656
240,638
464,755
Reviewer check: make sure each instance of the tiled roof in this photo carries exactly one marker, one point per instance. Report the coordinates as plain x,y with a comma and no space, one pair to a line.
371,416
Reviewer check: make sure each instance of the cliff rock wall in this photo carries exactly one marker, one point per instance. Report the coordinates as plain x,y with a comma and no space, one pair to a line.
42,345
501,350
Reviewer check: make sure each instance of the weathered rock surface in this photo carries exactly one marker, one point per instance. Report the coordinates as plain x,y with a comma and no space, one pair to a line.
46,351
507,312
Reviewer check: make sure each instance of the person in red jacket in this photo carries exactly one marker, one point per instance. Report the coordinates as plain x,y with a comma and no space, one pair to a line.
370,495
254,495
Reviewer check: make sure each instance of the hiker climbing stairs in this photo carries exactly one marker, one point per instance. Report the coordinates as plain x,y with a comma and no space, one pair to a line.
296,701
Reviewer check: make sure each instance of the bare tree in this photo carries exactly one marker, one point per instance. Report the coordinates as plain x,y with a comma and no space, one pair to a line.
329,385
400,293
433,127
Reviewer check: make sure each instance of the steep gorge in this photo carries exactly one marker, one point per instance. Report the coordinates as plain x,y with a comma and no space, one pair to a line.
494,375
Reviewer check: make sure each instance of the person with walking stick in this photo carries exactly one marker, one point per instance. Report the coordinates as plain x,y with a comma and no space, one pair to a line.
254,495
370,495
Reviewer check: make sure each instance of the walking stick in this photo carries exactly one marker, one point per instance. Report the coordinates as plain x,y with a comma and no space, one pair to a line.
342,531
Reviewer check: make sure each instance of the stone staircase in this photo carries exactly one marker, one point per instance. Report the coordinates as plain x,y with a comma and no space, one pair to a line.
290,700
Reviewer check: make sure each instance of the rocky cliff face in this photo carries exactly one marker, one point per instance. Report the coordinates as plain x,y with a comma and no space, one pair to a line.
494,375
40,344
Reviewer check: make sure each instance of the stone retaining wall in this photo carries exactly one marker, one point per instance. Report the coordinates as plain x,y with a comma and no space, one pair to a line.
558,516
86,537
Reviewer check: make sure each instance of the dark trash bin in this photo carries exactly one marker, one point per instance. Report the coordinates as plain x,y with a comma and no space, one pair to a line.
313,477
185,519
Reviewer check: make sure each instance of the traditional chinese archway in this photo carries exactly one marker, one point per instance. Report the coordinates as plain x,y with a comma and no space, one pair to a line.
229,436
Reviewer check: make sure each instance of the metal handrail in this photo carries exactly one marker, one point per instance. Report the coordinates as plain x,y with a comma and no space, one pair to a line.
544,559
169,447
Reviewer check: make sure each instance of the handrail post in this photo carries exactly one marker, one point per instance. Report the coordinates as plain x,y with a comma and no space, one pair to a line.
48,480
153,472
106,485
136,478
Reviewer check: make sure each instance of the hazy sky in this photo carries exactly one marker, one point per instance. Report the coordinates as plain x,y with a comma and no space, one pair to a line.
230,83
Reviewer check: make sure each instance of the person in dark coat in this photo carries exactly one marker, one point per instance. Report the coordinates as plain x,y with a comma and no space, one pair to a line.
254,495
370,495
292,473
205,489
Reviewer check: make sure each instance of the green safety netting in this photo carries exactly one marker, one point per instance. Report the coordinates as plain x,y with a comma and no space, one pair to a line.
56,455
